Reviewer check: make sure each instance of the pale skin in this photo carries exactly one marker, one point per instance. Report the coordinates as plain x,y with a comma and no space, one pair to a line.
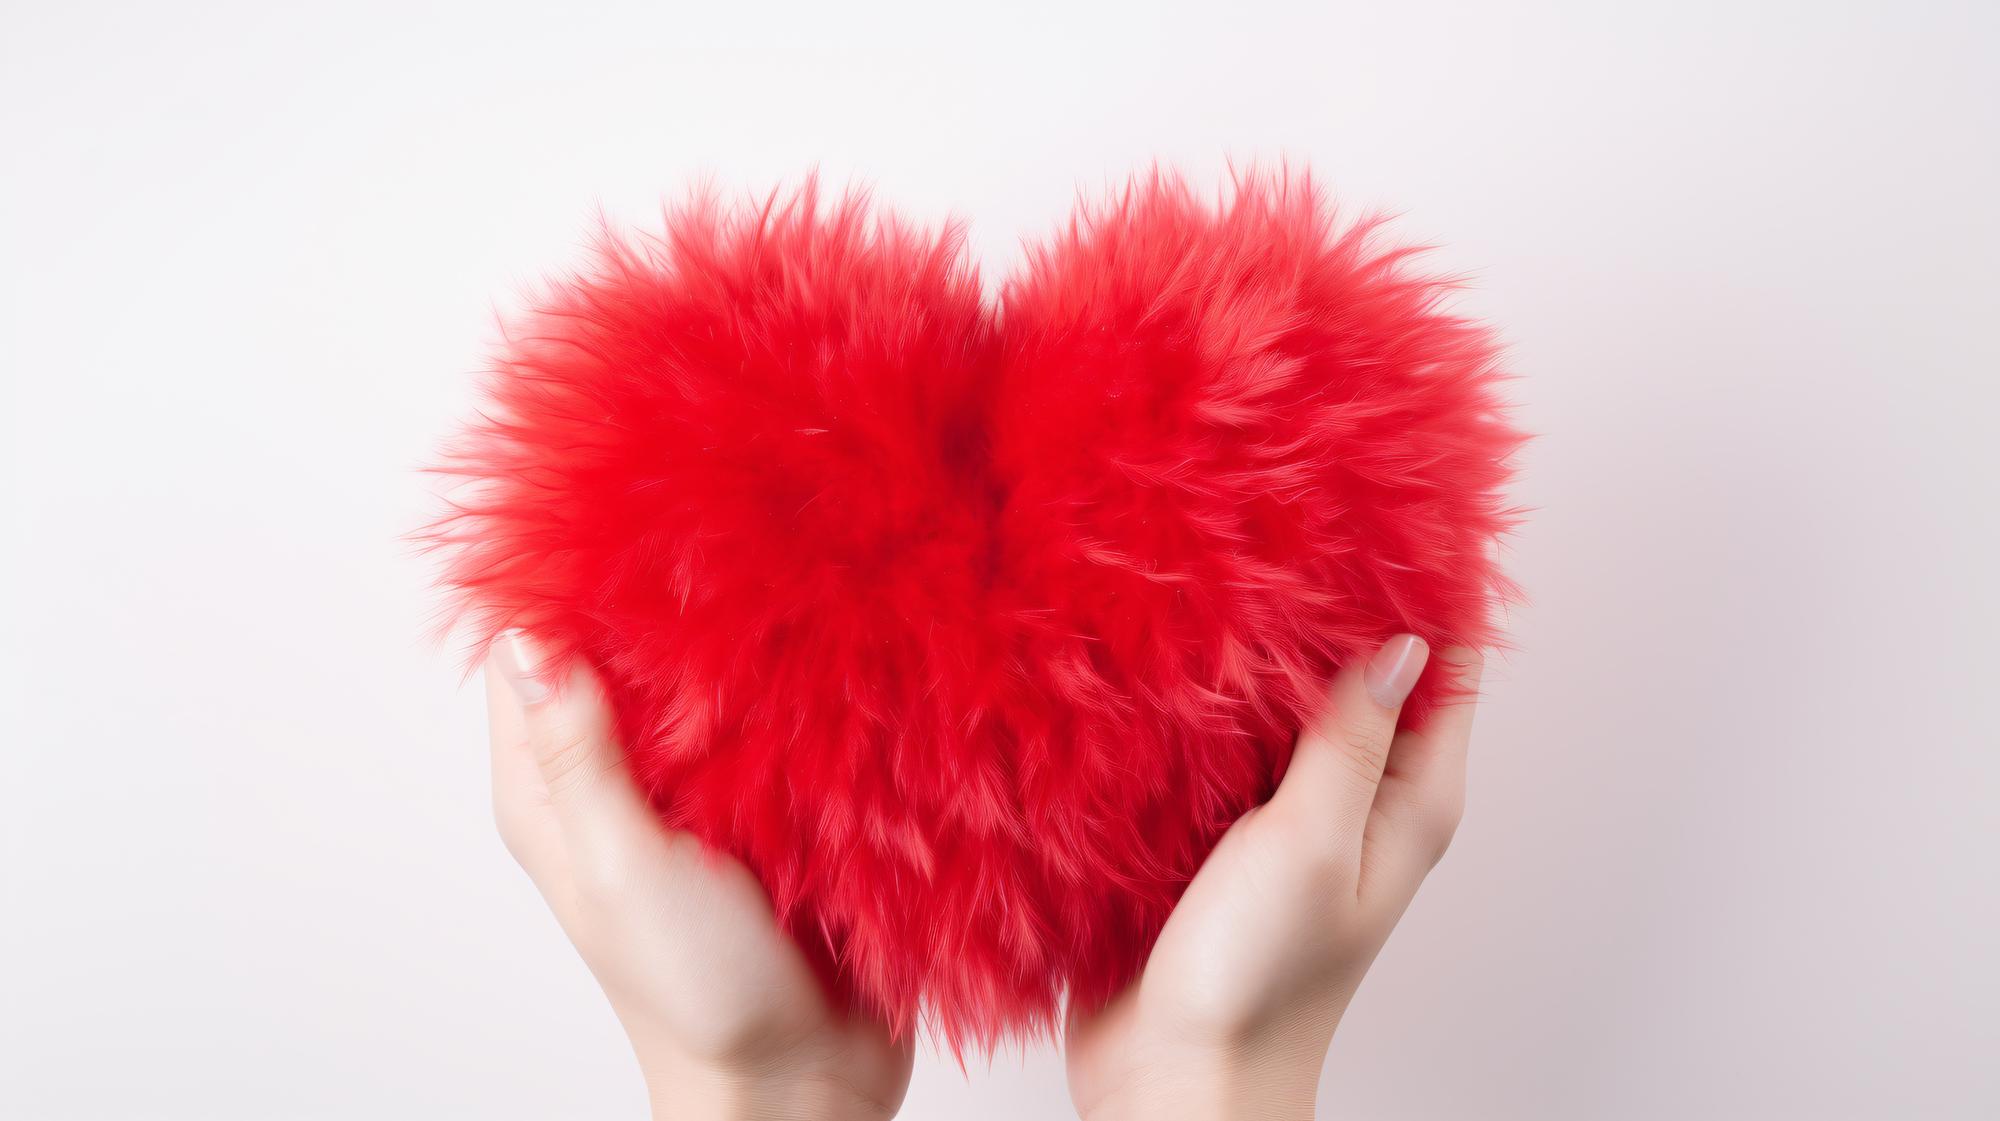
1231,1018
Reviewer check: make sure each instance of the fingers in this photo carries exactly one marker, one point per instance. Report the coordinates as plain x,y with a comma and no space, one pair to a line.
1428,764
1422,795
1423,791
567,735
1330,785
520,799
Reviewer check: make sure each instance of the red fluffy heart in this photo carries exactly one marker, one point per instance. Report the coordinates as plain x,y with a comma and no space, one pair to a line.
970,630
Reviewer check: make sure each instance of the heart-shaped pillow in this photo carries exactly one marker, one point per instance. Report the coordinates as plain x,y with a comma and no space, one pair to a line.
969,629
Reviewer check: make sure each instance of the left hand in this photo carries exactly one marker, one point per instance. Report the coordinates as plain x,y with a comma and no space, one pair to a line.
726,1017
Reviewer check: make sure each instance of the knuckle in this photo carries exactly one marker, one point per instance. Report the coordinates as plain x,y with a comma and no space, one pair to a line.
1367,751
511,822
508,825
1331,857
1335,864
1439,846
1451,813
565,757
1440,827
1292,850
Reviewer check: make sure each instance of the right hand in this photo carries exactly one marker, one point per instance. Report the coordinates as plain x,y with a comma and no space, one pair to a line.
1235,1009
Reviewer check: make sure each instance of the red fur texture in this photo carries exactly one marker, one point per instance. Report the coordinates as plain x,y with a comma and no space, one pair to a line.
970,629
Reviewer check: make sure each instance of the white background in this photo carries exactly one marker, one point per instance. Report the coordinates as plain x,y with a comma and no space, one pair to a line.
1731,849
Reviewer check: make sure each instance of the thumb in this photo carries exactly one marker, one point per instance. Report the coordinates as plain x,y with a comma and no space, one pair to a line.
1336,767
571,734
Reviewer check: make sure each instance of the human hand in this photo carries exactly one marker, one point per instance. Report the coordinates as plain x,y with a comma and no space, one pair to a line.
1233,1013
725,1015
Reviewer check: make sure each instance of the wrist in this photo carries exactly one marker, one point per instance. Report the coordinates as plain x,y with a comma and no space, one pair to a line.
1233,1095
684,1091
1271,1079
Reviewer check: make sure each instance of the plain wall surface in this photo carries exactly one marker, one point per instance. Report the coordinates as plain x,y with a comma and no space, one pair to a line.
1731,843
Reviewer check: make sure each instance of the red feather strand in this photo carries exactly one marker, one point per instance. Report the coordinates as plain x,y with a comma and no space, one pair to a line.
970,630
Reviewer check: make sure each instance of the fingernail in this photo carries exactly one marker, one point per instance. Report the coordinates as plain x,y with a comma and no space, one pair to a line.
1394,669
518,661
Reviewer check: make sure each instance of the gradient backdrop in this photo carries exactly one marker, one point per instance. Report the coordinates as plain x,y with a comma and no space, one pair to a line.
1731,850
